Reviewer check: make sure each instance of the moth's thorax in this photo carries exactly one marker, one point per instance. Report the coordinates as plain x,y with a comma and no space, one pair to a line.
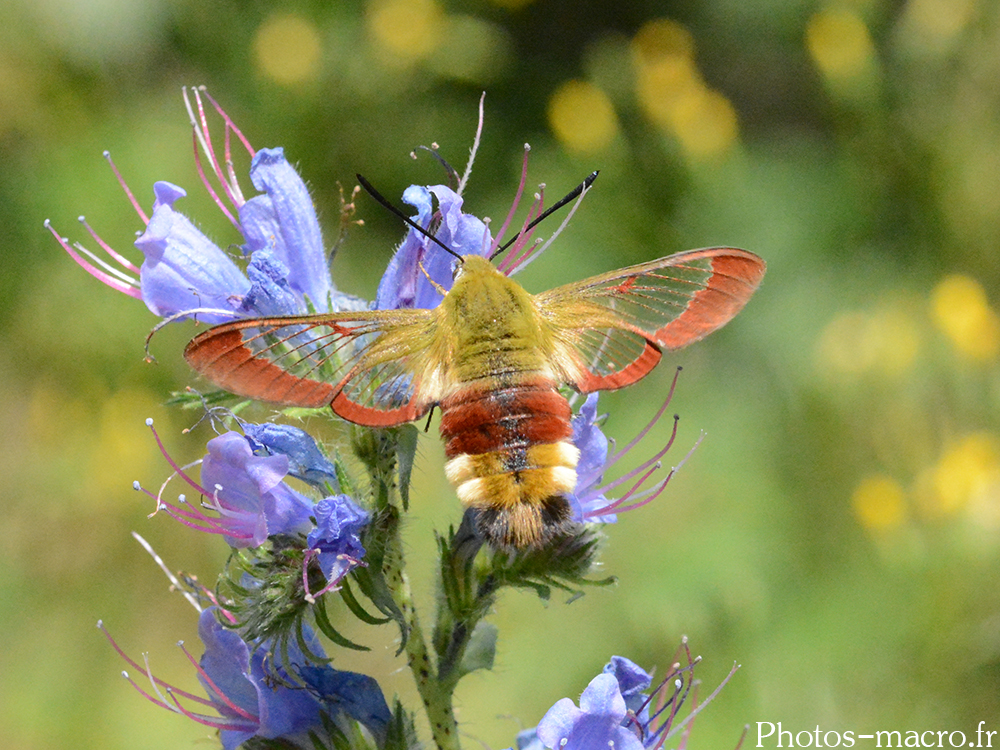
493,326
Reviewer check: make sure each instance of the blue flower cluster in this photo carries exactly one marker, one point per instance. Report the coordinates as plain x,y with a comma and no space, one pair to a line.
259,687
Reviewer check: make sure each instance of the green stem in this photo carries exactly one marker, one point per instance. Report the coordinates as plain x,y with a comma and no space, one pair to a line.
435,693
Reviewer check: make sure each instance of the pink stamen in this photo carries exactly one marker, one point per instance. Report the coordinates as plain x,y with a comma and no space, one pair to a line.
643,432
189,515
122,260
230,125
333,585
151,698
129,287
537,250
215,688
132,663
220,722
497,241
208,185
522,247
641,467
612,506
125,187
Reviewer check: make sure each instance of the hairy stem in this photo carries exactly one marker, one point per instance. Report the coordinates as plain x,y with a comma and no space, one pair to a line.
435,693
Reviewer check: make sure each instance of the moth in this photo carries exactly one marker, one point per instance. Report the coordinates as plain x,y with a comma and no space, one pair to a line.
492,357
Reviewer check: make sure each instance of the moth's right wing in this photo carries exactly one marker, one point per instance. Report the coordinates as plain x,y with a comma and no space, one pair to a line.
376,367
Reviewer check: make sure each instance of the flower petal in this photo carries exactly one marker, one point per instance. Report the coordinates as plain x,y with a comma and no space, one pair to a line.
405,283
254,500
183,269
632,680
339,522
284,220
305,461
595,725
269,293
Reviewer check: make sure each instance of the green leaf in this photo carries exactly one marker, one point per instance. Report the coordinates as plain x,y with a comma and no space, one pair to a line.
355,606
481,649
324,624
401,734
406,451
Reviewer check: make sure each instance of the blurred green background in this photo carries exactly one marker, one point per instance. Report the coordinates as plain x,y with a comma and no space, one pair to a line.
837,531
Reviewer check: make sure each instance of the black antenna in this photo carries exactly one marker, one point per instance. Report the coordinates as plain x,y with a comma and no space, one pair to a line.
571,195
385,202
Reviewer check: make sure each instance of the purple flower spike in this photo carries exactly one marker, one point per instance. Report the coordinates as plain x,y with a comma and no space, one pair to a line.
284,221
185,274
185,270
254,689
404,284
595,725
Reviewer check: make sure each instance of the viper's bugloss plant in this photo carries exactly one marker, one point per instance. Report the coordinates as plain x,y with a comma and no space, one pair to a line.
335,539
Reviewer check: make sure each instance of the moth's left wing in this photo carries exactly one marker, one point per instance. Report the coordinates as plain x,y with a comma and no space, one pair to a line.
609,330
369,366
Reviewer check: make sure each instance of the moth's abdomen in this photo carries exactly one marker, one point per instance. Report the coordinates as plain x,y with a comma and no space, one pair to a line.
510,458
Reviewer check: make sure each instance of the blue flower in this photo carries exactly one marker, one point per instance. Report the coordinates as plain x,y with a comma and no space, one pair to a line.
283,220
184,269
632,680
337,536
404,284
249,494
279,693
615,711
589,499
185,274
357,695
246,492
260,690
305,461
593,447
595,725
253,688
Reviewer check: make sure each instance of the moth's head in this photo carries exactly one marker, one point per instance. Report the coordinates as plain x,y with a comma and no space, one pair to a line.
473,266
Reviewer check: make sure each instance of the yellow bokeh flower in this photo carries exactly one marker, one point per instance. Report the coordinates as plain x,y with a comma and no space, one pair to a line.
885,342
963,313
839,43
673,94
410,29
287,49
879,503
965,472
582,117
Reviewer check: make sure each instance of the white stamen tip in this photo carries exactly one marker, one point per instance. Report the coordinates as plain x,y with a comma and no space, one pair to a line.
136,486
149,421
